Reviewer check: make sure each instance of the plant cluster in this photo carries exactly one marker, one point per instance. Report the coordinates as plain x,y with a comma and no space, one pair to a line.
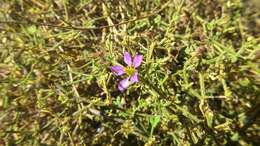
129,72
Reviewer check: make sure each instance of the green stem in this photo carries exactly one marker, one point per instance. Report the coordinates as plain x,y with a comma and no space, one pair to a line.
156,89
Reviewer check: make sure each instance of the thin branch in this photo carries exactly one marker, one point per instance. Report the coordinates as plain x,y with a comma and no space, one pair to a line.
91,28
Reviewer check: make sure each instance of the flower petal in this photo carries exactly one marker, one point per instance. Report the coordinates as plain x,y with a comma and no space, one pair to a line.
127,58
117,70
137,60
123,84
134,78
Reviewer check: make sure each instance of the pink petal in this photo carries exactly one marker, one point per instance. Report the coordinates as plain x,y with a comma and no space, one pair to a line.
137,60
134,78
117,70
127,58
123,84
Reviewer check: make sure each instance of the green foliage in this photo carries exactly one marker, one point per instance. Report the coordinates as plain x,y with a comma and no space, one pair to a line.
199,80
154,120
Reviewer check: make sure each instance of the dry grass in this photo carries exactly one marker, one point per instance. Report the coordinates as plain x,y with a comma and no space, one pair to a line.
200,77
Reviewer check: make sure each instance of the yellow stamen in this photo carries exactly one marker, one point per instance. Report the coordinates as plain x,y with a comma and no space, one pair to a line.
129,71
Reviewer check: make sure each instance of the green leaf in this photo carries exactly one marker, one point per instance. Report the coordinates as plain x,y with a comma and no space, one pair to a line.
117,102
235,137
209,117
32,29
154,120
5,102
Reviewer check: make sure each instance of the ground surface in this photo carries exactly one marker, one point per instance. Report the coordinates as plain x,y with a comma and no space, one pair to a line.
199,79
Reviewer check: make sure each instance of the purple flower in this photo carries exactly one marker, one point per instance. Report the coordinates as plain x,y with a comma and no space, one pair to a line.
130,71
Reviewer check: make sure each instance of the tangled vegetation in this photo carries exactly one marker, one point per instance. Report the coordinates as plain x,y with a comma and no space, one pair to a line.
199,80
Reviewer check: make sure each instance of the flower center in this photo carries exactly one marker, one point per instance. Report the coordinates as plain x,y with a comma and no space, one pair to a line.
129,71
